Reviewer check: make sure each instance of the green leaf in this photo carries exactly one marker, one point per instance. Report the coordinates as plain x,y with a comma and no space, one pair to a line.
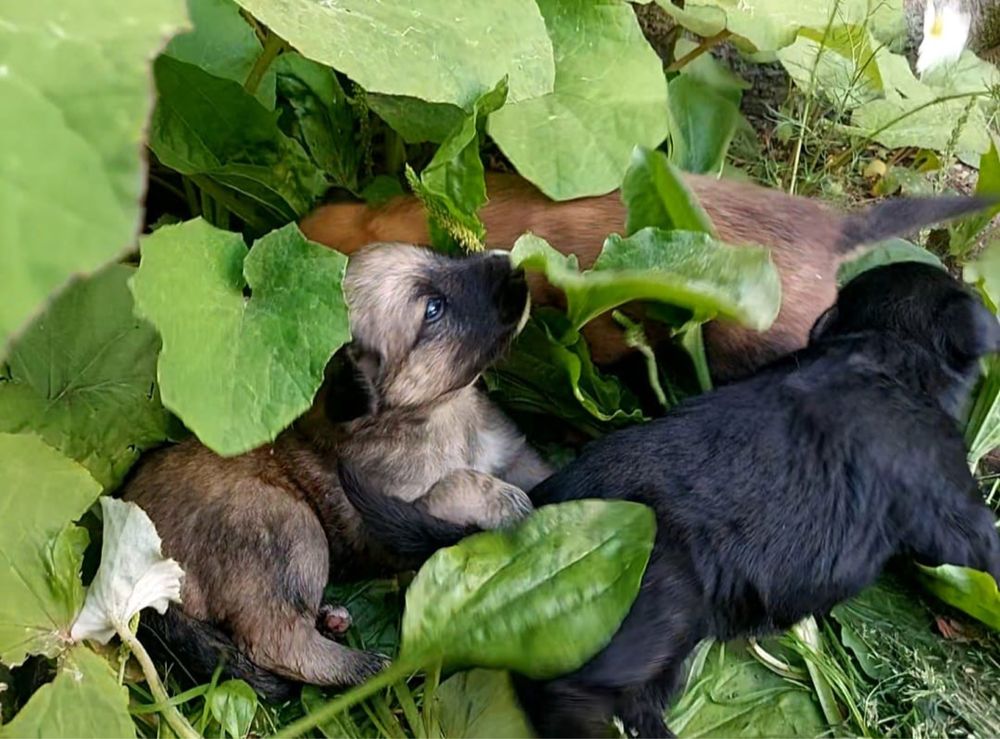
414,119
480,704
886,252
233,705
223,44
40,553
703,124
83,377
549,372
376,608
435,50
766,25
683,268
982,429
965,233
733,695
655,195
84,701
839,63
239,154
969,590
609,95
238,370
79,72
712,73
453,184
507,599
322,116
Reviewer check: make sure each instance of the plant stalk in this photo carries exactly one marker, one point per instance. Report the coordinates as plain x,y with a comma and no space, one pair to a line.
273,45
808,632
706,44
173,717
394,673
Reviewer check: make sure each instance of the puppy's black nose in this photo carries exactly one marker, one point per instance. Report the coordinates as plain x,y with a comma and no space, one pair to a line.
511,296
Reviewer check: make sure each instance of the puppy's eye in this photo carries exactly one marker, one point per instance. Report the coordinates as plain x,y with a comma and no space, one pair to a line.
435,308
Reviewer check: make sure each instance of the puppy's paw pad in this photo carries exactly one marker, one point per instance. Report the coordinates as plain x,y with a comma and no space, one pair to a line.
333,621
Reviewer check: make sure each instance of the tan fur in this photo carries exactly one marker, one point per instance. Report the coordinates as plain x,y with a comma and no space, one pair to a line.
259,535
801,233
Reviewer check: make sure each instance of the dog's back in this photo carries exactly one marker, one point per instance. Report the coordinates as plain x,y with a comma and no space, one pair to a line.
776,498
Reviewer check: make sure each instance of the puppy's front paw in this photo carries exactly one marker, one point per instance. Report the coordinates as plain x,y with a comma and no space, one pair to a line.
510,505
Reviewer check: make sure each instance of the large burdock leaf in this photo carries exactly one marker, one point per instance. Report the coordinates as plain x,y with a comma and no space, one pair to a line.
839,62
683,268
766,25
76,95
969,590
83,377
436,50
133,574
40,493
84,701
508,599
609,95
223,44
239,154
237,370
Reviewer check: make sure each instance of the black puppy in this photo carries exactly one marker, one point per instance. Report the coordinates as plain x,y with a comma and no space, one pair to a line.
781,495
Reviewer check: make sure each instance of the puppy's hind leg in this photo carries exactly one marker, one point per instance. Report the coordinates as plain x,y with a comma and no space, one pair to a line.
297,650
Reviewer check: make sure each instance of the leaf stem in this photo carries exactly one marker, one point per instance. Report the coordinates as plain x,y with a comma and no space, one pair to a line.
273,45
706,44
342,702
808,633
173,717
430,705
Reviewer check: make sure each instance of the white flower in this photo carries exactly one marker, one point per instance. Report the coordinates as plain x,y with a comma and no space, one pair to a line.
946,31
133,574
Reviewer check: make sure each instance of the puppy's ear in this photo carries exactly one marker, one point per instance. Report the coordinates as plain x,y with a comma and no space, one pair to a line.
351,393
971,330
824,322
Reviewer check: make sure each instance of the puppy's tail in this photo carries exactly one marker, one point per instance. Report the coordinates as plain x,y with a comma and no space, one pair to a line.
403,528
198,648
902,216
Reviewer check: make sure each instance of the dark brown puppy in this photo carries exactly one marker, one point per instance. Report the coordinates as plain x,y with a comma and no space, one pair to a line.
808,242
260,534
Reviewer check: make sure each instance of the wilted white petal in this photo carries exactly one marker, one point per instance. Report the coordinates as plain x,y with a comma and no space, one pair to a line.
946,31
133,574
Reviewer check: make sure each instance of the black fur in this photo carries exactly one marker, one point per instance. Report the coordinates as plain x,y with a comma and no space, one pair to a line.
200,648
781,495
882,221
406,530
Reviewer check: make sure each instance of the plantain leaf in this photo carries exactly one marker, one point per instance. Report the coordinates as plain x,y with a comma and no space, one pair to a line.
549,372
968,590
887,252
238,370
40,553
239,154
480,704
683,268
508,599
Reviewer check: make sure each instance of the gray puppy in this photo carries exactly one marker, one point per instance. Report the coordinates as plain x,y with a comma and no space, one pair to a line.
259,535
